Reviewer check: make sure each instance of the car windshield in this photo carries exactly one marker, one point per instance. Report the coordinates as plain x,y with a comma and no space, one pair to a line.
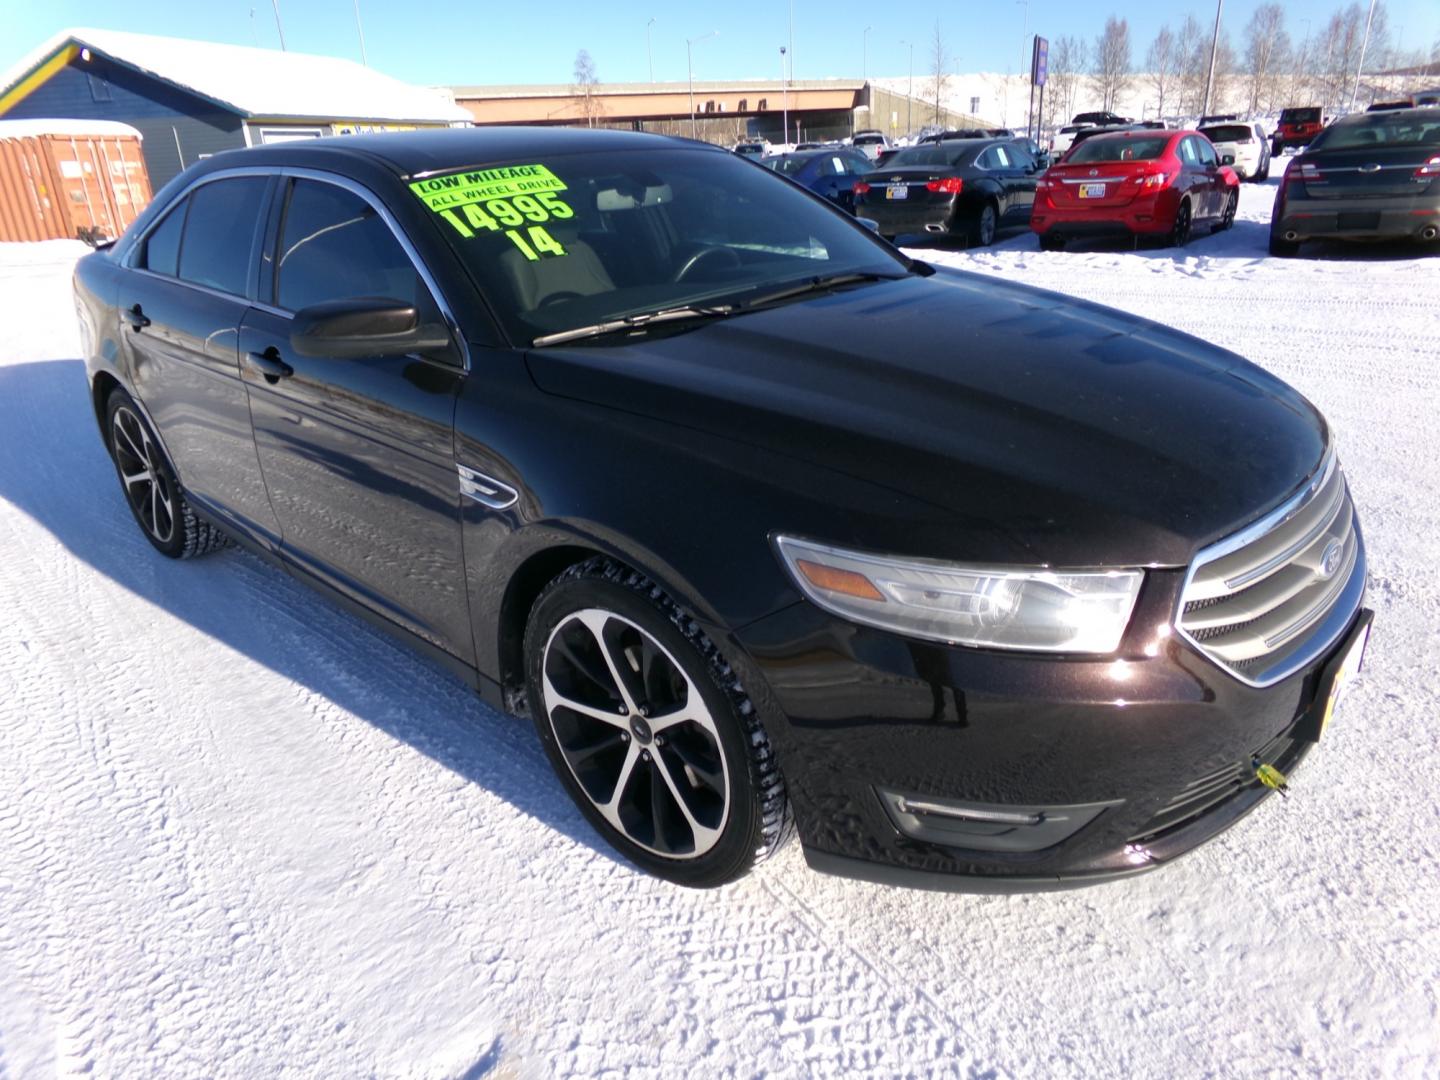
1228,133
1300,116
577,239
1387,130
931,154
1126,148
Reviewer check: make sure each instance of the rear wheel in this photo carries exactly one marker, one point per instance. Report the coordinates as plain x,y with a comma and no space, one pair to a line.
151,489
1282,248
650,729
982,229
1179,234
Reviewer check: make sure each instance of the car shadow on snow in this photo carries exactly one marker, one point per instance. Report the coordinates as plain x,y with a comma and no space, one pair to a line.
54,469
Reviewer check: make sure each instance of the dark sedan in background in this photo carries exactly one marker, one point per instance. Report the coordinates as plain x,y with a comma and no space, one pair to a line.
1369,176
748,512
967,187
830,172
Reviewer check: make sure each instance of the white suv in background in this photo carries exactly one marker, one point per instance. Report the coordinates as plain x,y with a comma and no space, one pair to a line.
1246,142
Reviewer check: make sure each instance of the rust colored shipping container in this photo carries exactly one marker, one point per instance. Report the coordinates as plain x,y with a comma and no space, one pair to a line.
69,179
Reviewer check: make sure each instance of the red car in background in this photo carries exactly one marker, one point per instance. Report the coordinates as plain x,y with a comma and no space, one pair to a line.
1298,126
1135,183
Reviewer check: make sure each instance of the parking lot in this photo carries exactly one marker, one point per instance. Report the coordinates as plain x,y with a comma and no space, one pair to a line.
245,833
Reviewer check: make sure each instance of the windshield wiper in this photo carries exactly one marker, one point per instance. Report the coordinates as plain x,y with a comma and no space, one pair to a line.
823,283
633,322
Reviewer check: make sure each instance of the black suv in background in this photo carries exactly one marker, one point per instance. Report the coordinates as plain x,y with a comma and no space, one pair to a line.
748,512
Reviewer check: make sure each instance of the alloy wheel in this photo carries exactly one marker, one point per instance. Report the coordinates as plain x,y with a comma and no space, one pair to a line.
145,482
987,225
636,734
1231,206
1180,232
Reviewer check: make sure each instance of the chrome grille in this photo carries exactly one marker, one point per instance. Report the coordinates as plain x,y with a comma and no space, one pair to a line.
1268,600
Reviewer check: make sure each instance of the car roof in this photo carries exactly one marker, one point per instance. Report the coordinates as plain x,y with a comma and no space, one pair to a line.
1417,112
413,152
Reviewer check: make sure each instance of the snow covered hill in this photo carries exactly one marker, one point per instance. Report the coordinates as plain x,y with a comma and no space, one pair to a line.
241,834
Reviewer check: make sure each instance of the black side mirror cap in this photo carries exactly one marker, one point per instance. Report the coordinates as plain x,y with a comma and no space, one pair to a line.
363,326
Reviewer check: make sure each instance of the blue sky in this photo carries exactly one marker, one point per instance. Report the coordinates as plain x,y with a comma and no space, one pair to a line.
442,41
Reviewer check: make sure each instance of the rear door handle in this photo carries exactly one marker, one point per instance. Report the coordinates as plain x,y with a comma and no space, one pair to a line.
269,364
137,318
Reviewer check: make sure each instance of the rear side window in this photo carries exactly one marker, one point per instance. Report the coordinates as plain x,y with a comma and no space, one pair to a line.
220,233
162,246
1206,152
334,246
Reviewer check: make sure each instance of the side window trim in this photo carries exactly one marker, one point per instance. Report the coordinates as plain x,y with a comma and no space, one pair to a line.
287,176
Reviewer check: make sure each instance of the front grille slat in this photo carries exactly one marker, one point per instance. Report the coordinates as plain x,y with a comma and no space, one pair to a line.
1250,600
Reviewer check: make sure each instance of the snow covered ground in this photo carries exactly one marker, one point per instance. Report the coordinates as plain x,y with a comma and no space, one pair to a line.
242,834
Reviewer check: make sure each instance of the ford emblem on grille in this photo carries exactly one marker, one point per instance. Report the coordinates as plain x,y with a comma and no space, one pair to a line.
1330,560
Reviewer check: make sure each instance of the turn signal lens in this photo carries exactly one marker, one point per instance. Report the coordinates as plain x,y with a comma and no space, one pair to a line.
861,188
1429,170
832,579
951,185
1036,609
1155,181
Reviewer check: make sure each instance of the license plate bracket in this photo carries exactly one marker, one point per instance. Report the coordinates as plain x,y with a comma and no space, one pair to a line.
1336,678
1092,191
897,191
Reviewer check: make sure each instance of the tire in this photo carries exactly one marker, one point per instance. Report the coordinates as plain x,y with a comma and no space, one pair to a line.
983,228
1051,242
1179,234
150,487
697,802
1283,249
1227,218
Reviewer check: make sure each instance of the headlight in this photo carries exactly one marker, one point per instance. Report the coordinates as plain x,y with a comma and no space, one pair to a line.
998,607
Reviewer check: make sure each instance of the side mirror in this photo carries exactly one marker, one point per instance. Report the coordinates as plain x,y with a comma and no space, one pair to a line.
873,226
365,326
1227,159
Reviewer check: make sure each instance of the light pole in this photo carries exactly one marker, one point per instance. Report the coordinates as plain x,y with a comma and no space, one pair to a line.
784,101
690,67
648,54
361,29
1214,48
1364,44
910,90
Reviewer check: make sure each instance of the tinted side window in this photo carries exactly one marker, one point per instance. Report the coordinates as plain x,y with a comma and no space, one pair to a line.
334,246
1187,151
1020,157
1206,152
162,246
220,233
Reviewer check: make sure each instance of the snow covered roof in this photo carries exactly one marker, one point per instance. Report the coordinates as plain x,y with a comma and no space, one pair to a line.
19,129
254,82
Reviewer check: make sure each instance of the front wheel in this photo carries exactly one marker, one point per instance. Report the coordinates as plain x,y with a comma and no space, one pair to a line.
650,729
1232,204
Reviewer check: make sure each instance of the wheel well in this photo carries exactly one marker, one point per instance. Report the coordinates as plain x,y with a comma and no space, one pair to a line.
525,585
100,390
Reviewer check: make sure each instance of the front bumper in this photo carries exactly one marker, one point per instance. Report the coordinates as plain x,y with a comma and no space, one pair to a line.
1395,218
1157,748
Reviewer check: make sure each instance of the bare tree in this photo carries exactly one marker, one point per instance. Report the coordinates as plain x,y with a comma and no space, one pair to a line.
1067,60
1112,61
1192,47
1267,52
585,82
1161,62
939,71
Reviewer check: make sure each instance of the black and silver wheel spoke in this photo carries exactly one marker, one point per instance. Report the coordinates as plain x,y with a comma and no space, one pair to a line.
145,486
636,733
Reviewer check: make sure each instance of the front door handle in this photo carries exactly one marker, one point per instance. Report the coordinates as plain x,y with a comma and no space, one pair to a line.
137,318
270,365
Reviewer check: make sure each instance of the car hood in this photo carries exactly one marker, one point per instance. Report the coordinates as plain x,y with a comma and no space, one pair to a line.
1048,429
